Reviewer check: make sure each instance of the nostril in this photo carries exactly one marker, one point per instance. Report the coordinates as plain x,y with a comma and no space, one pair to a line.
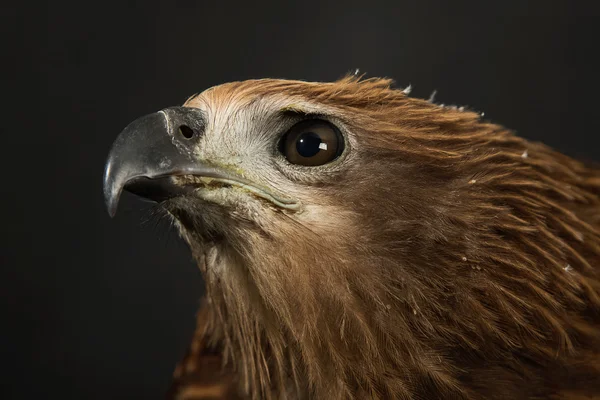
186,131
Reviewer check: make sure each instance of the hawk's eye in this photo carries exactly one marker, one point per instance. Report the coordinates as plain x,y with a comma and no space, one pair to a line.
312,142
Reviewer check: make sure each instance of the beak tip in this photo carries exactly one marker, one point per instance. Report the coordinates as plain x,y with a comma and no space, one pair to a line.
112,211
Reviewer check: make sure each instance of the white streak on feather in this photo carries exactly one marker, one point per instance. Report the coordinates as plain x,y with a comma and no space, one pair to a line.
568,268
431,98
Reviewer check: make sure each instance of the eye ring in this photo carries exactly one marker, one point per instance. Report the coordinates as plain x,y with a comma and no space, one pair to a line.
312,142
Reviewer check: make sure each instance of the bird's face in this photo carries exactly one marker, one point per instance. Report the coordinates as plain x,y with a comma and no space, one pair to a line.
272,166
270,204
262,182
309,207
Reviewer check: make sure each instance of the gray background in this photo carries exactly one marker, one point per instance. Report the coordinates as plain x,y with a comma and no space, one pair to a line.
101,308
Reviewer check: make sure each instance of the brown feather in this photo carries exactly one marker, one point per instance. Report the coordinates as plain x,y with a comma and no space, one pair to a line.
456,260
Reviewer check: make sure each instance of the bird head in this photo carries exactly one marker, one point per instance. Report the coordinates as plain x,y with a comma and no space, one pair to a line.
346,230
299,195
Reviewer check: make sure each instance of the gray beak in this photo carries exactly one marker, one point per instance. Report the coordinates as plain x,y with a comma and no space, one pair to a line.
151,151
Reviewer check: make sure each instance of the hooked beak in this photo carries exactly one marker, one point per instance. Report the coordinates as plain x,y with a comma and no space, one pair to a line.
152,150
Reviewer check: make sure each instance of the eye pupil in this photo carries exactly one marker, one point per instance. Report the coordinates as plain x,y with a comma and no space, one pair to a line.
308,144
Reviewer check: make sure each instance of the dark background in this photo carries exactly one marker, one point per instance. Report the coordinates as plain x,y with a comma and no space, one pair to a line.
99,308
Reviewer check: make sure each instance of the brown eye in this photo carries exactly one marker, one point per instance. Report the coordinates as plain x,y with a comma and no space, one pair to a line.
312,142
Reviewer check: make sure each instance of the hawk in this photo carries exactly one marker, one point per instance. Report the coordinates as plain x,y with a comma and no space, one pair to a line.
357,243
